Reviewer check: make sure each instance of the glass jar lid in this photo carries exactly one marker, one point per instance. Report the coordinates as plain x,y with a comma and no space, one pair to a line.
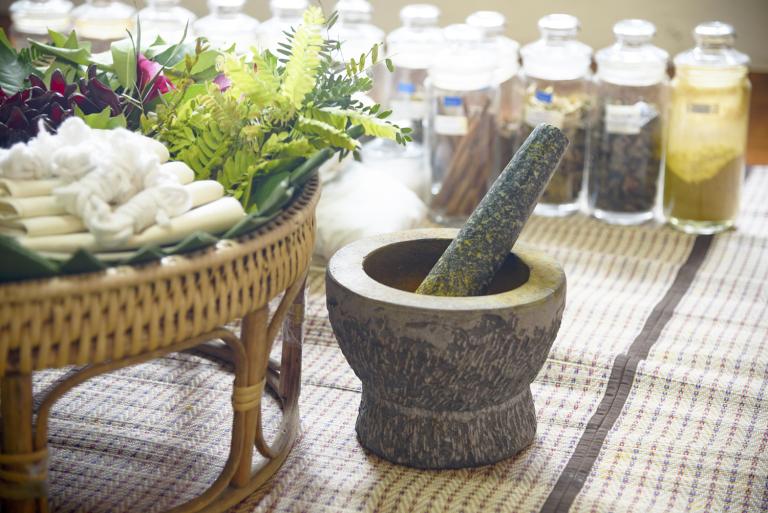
421,15
632,60
493,24
559,25
466,63
557,55
226,6
415,44
714,48
288,7
354,10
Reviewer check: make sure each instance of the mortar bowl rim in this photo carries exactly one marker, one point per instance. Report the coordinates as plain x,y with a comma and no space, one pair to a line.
346,270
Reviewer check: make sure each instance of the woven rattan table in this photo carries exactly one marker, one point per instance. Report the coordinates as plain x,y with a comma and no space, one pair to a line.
104,321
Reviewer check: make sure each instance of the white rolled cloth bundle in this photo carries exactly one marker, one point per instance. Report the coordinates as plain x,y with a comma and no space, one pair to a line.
42,226
200,193
16,188
75,150
144,192
17,208
214,218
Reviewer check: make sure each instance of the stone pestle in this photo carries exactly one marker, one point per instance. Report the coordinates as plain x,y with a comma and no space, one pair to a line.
470,262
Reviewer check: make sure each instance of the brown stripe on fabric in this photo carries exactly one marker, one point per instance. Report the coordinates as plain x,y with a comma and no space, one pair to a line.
620,382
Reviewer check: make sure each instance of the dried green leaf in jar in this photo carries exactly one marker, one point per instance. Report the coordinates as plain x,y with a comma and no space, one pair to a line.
626,151
568,112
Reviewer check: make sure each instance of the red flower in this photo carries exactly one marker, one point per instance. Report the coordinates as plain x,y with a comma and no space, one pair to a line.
149,73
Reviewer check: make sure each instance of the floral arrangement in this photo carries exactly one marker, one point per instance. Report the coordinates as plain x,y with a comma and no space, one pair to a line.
260,124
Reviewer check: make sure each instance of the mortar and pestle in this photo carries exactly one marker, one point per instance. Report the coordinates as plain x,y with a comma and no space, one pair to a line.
448,330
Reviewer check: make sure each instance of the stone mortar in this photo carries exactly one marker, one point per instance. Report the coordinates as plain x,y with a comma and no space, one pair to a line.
446,380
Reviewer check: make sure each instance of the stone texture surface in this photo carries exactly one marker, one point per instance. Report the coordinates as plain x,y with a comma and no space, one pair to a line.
444,386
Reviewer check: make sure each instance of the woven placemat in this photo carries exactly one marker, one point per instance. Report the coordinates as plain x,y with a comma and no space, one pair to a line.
653,398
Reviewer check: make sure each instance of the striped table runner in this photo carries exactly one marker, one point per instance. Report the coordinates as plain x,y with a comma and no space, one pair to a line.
652,399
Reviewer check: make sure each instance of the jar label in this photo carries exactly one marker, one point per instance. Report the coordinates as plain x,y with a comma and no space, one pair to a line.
703,108
408,109
451,125
628,119
534,117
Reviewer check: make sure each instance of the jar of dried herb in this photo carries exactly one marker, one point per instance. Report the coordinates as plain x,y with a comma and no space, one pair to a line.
508,111
704,168
461,130
557,79
626,142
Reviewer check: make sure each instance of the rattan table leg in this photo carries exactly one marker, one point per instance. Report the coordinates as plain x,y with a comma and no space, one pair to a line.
254,337
290,365
16,405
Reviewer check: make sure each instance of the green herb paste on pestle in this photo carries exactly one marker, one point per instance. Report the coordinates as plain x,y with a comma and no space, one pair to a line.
472,259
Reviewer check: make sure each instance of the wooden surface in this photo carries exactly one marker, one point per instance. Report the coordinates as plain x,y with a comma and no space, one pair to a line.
757,147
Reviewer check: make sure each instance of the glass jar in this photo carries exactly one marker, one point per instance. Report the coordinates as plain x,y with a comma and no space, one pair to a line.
556,77
461,127
354,29
286,14
707,140
509,108
166,19
102,22
412,48
31,19
626,142
227,25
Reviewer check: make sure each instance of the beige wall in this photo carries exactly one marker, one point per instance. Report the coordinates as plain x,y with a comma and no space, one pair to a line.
674,19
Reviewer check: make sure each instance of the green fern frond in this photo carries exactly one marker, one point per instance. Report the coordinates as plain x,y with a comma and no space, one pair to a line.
301,69
340,118
234,173
334,117
260,86
282,146
328,134
373,125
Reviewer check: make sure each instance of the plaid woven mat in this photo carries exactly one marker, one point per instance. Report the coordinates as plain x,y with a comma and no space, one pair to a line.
653,399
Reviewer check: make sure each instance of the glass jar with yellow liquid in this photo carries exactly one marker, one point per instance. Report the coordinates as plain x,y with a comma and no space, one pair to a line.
707,136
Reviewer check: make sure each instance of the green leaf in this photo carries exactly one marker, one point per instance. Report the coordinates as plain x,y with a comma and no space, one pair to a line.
124,62
65,40
14,69
390,66
329,134
300,73
372,125
57,38
102,119
269,193
102,60
259,86
375,53
206,61
80,55
334,117
171,55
